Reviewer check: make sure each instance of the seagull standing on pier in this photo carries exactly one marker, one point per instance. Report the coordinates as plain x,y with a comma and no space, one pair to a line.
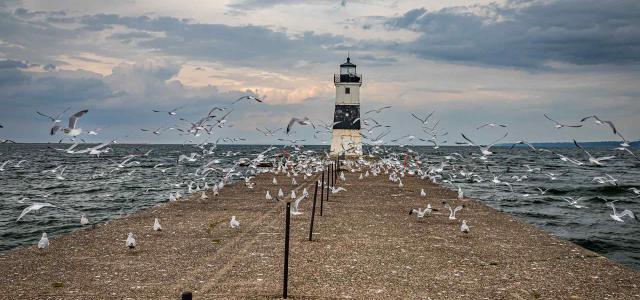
131,241
44,241
268,196
83,220
464,228
156,225
234,223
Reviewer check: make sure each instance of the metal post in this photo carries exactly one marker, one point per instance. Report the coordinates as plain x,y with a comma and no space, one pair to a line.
287,224
313,211
322,193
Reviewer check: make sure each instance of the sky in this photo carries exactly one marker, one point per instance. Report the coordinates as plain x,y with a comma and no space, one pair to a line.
471,62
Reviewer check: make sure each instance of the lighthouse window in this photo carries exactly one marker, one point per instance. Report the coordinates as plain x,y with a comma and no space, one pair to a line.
347,90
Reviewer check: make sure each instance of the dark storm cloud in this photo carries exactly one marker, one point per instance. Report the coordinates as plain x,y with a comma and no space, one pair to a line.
240,44
13,64
528,34
258,4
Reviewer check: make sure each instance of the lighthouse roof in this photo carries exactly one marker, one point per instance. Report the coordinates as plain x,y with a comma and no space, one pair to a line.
348,63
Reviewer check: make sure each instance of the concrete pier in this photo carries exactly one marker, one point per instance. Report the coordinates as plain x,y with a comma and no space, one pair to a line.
366,246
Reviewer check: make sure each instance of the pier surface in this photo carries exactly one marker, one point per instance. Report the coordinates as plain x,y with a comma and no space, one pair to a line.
366,245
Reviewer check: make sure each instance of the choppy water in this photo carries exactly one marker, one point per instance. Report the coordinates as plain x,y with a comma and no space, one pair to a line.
90,188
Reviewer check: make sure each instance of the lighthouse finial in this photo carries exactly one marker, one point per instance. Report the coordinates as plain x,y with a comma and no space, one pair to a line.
348,57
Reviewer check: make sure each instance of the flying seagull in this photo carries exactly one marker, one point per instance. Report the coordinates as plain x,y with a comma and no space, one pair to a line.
592,159
601,122
303,121
71,130
32,207
618,216
248,98
377,110
55,120
491,125
170,112
560,125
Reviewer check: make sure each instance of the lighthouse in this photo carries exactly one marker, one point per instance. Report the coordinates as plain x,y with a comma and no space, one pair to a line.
346,139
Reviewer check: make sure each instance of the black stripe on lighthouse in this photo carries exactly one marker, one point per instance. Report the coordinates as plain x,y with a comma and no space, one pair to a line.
345,115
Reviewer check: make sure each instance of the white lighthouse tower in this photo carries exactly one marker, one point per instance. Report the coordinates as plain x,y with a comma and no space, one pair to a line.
346,138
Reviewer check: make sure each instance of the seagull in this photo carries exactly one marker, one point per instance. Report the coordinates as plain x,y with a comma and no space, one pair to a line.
335,190
483,149
303,121
71,130
420,213
247,98
593,160
55,120
601,122
268,132
4,164
170,112
618,216
155,131
559,125
44,241
274,181
84,220
574,202
234,223
377,111
32,207
190,158
131,241
268,196
296,204
422,193
460,193
425,120
452,212
280,193
523,143
542,192
464,228
156,225
293,194
491,125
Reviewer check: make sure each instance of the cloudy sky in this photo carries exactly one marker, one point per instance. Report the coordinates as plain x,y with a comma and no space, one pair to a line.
470,61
